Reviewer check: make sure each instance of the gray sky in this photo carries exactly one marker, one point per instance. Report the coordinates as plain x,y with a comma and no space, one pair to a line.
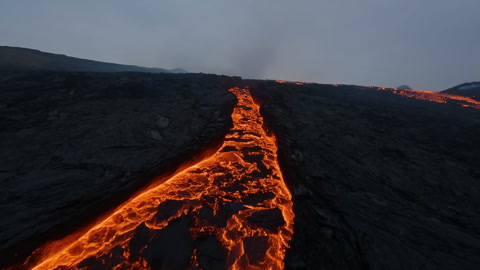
427,44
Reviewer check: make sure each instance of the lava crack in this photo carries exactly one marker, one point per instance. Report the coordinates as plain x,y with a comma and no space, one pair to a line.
231,210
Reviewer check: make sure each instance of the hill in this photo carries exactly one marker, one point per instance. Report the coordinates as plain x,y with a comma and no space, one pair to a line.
404,87
465,89
22,59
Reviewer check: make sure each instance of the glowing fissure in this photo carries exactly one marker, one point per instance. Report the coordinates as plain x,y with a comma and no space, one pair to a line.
241,184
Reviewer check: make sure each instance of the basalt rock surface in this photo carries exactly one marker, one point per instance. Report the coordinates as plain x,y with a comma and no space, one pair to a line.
75,145
379,181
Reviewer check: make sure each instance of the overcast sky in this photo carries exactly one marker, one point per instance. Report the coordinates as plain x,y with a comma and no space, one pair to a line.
427,44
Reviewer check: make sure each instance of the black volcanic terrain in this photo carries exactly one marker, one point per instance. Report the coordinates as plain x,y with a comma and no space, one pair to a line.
76,144
379,180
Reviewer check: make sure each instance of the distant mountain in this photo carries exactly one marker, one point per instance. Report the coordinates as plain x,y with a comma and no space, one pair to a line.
22,59
178,70
404,87
466,89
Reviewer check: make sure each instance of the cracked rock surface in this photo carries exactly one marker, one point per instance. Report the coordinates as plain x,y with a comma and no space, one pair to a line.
379,181
78,143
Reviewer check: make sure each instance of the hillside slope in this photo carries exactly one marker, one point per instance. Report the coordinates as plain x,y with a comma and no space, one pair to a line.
21,59
465,89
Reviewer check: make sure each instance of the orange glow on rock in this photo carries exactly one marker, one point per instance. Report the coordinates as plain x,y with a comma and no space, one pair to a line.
241,185
434,97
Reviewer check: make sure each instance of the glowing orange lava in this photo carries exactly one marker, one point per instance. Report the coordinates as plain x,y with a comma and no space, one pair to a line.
297,83
236,198
434,96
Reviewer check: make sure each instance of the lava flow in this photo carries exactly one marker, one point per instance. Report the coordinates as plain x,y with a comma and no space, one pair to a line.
434,96
231,210
297,83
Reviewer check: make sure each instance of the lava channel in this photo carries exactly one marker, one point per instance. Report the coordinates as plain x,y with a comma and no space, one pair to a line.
231,210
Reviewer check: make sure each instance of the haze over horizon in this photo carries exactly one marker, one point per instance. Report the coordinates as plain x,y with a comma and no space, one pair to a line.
428,45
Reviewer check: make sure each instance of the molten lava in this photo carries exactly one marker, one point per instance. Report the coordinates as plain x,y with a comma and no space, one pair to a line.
434,96
297,83
231,210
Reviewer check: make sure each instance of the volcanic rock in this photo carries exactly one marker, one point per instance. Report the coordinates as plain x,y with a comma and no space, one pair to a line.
254,199
255,248
168,208
269,219
75,145
211,254
170,248
379,181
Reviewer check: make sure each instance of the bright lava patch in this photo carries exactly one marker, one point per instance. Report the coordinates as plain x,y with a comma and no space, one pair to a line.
231,210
